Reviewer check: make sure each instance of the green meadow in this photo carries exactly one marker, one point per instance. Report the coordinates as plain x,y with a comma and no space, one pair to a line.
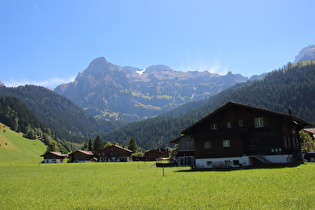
140,185
15,148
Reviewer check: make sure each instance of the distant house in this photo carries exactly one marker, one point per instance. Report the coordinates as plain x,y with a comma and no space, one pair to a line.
310,132
115,153
53,157
240,135
152,155
81,156
186,150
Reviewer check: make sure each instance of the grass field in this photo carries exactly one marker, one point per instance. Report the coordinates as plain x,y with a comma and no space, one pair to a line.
140,185
26,184
15,148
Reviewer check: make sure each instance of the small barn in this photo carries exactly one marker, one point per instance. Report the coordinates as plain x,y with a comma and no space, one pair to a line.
115,153
154,154
81,156
53,157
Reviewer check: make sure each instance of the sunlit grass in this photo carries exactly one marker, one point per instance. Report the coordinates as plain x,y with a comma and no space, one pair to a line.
15,148
140,185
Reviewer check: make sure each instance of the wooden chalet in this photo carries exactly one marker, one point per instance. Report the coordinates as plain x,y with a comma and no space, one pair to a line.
53,157
81,156
115,153
240,135
154,154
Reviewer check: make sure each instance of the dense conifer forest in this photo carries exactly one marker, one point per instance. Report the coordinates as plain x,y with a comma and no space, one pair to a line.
20,118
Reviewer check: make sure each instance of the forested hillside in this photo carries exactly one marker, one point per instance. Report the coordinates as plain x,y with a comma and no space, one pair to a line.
20,118
292,87
60,114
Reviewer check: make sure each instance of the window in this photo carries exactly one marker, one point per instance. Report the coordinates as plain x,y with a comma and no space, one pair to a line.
228,124
236,162
214,126
209,163
227,163
240,123
259,122
207,144
226,143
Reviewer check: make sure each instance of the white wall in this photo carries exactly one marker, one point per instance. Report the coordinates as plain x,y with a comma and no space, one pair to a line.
220,162
279,158
53,160
245,161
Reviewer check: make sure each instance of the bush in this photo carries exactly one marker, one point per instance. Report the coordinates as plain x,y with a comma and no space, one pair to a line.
139,156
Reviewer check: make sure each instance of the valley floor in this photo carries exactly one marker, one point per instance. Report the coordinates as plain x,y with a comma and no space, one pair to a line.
140,185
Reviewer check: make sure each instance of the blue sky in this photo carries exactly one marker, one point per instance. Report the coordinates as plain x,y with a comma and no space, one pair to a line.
48,42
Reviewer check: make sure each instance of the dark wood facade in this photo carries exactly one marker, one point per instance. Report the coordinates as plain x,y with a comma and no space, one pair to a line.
152,155
237,130
115,153
81,156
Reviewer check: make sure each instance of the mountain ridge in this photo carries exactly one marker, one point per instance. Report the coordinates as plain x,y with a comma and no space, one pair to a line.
112,92
306,54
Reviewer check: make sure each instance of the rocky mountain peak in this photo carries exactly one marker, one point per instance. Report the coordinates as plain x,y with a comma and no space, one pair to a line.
306,54
111,92
100,64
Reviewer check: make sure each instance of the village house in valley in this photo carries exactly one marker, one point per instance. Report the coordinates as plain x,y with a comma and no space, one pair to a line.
53,157
81,156
115,153
239,135
154,154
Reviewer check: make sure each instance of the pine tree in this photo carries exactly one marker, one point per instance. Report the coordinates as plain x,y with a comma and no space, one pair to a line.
132,145
97,145
90,145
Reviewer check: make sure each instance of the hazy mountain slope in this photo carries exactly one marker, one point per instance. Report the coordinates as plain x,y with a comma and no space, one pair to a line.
292,88
112,92
59,113
306,54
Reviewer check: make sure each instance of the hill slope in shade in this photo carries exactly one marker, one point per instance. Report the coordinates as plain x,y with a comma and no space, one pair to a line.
59,113
15,148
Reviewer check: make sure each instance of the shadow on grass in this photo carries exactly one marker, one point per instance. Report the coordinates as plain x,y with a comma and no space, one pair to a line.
262,166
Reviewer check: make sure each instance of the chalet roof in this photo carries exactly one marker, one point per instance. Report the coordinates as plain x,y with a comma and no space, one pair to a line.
231,103
118,147
84,152
55,153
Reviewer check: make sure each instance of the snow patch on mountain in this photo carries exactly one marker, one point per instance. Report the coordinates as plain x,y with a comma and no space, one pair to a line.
140,72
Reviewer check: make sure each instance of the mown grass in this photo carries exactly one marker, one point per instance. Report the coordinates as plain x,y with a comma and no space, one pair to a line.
140,185
27,184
